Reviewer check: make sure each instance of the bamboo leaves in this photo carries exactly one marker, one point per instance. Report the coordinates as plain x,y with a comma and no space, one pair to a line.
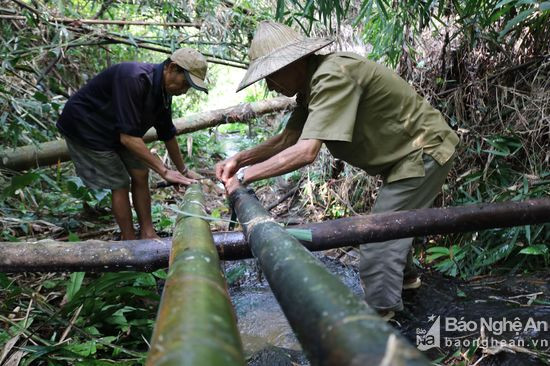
74,284
383,22
523,15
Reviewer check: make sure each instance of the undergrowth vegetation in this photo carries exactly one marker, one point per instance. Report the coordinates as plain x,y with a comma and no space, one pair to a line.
484,64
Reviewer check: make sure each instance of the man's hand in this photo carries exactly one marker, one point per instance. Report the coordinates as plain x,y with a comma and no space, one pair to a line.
173,176
193,175
226,169
232,184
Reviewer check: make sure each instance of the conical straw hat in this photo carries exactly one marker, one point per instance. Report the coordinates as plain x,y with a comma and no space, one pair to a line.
275,46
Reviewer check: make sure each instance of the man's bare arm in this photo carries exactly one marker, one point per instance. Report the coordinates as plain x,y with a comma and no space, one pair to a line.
268,148
138,148
294,157
227,168
298,155
175,154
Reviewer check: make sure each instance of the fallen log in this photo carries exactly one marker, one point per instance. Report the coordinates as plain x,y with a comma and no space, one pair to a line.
334,326
195,305
52,152
148,255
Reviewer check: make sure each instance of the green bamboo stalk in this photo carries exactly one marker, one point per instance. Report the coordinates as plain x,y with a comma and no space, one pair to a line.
333,326
196,324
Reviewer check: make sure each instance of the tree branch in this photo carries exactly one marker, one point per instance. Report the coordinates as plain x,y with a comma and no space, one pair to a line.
106,22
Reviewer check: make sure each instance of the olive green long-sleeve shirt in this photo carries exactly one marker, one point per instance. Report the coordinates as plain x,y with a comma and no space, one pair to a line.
371,118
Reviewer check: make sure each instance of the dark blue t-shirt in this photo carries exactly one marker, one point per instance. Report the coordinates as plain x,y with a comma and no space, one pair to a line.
125,98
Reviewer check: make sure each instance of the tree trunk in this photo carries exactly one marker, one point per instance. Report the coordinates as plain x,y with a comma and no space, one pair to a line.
333,325
52,152
196,323
148,255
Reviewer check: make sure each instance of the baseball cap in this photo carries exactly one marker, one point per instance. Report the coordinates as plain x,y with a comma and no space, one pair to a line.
194,66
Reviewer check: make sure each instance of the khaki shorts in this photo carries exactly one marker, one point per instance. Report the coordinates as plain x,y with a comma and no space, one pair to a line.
103,169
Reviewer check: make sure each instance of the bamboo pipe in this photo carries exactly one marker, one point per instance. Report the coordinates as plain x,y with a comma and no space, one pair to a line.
333,326
196,324
148,255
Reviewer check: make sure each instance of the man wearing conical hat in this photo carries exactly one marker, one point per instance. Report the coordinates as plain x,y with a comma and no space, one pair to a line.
104,122
367,116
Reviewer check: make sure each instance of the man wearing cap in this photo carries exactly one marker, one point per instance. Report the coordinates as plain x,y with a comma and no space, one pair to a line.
367,116
104,122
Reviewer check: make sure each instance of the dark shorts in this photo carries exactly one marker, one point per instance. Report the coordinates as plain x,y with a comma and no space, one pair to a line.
103,169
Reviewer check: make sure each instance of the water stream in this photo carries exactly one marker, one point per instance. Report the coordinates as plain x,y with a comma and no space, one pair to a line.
231,143
266,334
268,339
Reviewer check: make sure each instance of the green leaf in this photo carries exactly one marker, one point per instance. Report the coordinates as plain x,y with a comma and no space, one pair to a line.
365,9
537,249
118,318
443,250
523,2
73,237
235,273
76,188
132,40
472,177
382,7
3,117
49,284
516,20
100,194
107,340
91,330
145,280
433,257
82,349
497,153
36,352
445,266
503,2
138,291
280,10
41,97
5,282
160,273
20,181
73,284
